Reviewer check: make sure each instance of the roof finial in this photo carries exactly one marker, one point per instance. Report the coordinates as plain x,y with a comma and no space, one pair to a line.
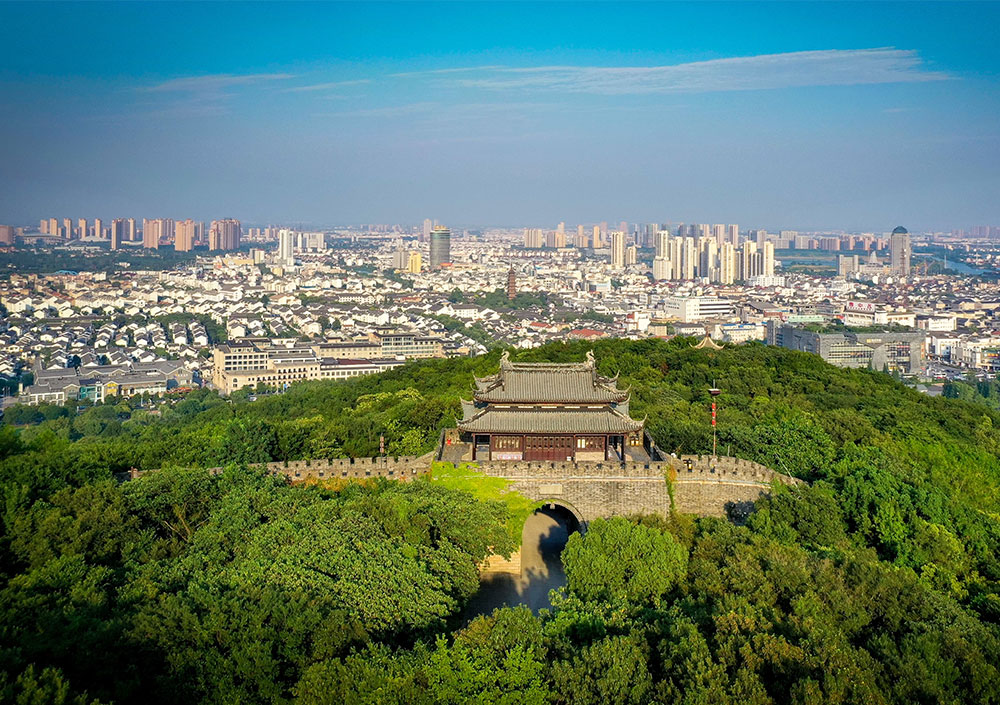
707,342
505,360
590,358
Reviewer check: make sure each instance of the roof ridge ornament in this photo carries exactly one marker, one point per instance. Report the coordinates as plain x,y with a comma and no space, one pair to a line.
590,358
505,360
707,342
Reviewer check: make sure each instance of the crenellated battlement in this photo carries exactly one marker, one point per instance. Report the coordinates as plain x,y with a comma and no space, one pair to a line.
405,467
398,468
686,467
699,484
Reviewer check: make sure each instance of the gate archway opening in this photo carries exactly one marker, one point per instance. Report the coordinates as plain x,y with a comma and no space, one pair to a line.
544,537
564,513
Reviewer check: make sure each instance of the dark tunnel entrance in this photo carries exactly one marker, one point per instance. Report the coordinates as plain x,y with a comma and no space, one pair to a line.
550,527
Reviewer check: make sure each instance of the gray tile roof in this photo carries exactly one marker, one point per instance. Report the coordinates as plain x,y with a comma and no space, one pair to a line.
548,382
550,421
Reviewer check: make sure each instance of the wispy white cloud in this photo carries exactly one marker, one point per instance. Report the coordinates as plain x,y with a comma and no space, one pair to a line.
435,72
200,96
214,82
327,86
836,67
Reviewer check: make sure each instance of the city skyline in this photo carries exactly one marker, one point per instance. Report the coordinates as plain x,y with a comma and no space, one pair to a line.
802,116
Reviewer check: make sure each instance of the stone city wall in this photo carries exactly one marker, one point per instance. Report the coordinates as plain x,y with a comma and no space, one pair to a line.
703,485
406,467
700,484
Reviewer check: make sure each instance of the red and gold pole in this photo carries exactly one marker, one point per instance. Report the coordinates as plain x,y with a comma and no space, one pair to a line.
714,392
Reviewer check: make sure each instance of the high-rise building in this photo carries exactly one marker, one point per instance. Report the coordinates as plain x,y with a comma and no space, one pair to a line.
415,262
581,238
533,238
400,257
154,230
719,233
67,228
224,234
184,235
6,234
847,264
598,240
899,244
286,240
748,261
130,230
708,257
440,250
649,238
662,244
117,232
661,268
617,250
81,227
767,259
631,255
733,234
426,233
98,228
727,264
689,258
150,233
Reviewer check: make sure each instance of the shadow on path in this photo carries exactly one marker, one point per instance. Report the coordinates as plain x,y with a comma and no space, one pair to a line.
542,541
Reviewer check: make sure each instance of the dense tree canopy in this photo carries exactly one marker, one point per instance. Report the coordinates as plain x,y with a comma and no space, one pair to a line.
879,582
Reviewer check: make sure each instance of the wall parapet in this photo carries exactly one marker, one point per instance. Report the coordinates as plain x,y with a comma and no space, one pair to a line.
686,468
699,484
404,467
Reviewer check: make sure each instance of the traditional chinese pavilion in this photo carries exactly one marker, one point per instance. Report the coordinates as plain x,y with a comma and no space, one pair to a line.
548,411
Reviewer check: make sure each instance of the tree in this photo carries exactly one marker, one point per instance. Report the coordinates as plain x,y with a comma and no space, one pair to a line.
611,671
248,440
616,560
496,659
45,686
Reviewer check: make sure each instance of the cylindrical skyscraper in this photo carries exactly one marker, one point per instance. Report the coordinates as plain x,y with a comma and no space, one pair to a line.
899,244
440,246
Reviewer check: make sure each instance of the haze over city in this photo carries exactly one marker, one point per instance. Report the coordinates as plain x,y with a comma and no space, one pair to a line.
801,115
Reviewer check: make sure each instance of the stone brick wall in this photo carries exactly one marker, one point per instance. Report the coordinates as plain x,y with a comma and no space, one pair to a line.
405,467
701,484
401,468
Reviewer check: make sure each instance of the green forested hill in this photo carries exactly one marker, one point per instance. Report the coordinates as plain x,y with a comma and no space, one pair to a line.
878,583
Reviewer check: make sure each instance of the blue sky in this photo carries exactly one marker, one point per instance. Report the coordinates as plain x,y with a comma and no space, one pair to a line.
798,115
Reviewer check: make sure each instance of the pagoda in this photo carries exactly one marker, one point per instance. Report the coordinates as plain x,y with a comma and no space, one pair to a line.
549,411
